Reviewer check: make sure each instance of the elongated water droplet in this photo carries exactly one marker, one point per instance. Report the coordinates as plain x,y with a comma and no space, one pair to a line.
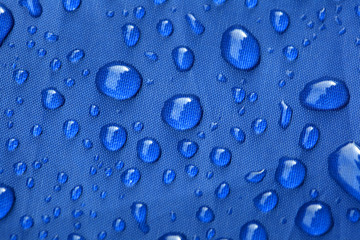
286,115
182,112
205,214
353,215
183,58
322,14
52,99
75,55
6,21
220,156
255,176
76,192
195,25
130,177
324,94
169,176
113,136
240,48
266,201
7,199
118,80
173,236
139,211
70,128
119,225
187,148
238,94
148,150
314,218
223,190
279,20
309,136
290,172
139,12
75,236
165,27
71,5
33,6
131,34
253,230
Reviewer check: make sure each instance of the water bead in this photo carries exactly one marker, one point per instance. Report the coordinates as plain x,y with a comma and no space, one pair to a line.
183,58
113,136
220,156
131,34
187,148
148,150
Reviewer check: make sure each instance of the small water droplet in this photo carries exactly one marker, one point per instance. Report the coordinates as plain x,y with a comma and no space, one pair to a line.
286,115
165,27
70,128
183,58
291,52
169,176
7,199
71,5
26,222
251,3
130,177
113,136
20,76
187,148
139,211
279,20
75,55
255,176
52,99
309,136
148,150
266,201
259,125
76,192
205,214
223,190
353,215
131,34
195,25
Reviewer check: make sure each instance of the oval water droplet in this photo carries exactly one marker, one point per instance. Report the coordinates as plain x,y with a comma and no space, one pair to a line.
71,5
119,225
113,136
169,176
353,215
314,218
238,134
70,128
182,111
165,27
255,176
12,144
253,230
251,3
223,190
290,172
183,58
309,136
148,150
7,22
26,222
238,94
75,236
279,20
286,115
266,201
195,25
291,52
139,12
20,76
173,236
187,148
240,48
205,214
139,211
7,199
324,94
131,34
130,177
118,80
52,99
259,126
33,6
75,55
76,192
220,156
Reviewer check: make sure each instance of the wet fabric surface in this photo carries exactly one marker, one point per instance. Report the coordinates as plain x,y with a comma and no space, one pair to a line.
135,89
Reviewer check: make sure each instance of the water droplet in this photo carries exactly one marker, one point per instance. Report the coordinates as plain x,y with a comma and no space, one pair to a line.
41,52
173,236
75,55
130,177
344,168
94,110
148,150
51,98
74,236
223,190
251,3
324,94
62,177
183,58
195,25
12,144
221,78
252,97
353,215
55,64
314,218
187,148
279,20
259,125
118,80
70,128
51,37
7,199
20,76
119,225
32,29
182,112
322,14
253,230
191,170
290,172
71,5
26,222
309,136
240,48
205,214
76,192
30,44
30,182
165,27
255,176
56,212
210,233
291,52
286,115
266,201
33,6
69,82
139,12
139,212
169,176
152,56
131,34
238,94
113,136
220,156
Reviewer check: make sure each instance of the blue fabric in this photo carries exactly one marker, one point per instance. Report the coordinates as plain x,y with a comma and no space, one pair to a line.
103,184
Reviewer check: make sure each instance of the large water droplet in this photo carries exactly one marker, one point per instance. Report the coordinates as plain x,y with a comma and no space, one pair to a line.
33,6
220,156
148,150
131,34
71,128
130,177
253,230
290,172
205,214
309,136
183,58
344,168
51,98
75,236
314,218
266,201
113,136
7,199
118,80
255,176
279,20
139,211
240,48
195,25
325,93
173,236
71,5
187,148
286,115
7,22
182,112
